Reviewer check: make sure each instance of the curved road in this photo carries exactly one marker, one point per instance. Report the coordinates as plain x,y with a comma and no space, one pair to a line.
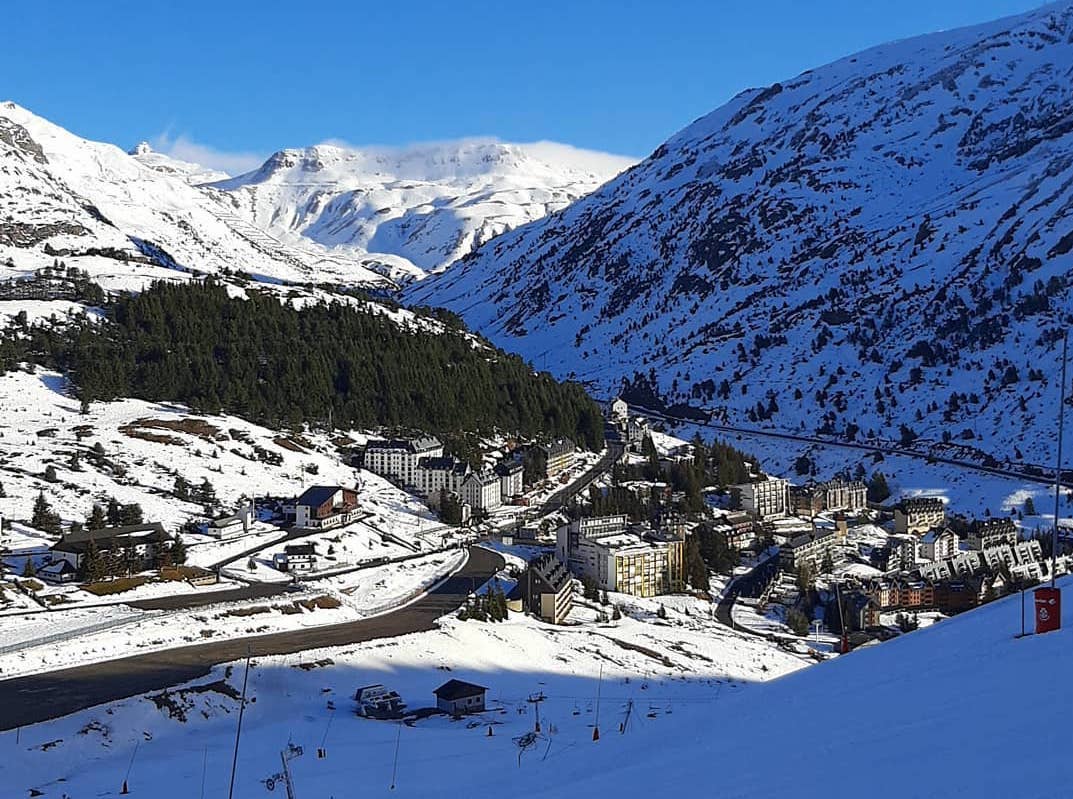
39,697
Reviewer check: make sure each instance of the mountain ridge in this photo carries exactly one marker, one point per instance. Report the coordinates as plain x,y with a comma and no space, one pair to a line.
865,248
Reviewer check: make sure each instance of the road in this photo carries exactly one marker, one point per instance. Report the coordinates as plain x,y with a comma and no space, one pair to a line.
749,584
35,698
563,496
886,449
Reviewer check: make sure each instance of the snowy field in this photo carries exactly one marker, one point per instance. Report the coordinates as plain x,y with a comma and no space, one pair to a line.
695,700
668,670
28,642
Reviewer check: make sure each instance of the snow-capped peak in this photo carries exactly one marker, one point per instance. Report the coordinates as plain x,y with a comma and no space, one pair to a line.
409,210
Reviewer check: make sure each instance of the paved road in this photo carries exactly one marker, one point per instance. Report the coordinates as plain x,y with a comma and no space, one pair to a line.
187,601
563,496
27,700
750,584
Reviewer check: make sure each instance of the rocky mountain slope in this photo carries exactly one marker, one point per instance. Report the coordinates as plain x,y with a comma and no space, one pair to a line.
879,247
103,210
405,212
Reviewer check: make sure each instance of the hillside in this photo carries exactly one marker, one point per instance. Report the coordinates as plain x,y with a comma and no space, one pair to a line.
407,211
109,213
878,247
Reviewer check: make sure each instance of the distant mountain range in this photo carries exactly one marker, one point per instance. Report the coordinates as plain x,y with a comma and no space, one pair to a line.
406,212
880,247
326,214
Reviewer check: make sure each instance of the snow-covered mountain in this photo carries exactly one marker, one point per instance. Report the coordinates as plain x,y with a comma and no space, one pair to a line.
880,242
405,212
104,210
194,174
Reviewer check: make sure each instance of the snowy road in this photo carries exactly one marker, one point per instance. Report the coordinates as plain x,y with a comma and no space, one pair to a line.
27,700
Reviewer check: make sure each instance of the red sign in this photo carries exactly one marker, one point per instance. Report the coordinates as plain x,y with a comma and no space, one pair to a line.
1048,609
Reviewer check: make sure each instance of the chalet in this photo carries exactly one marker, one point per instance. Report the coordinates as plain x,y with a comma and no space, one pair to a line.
377,702
547,589
324,507
59,572
140,542
458,697
919,514
231,526
510,478
296,558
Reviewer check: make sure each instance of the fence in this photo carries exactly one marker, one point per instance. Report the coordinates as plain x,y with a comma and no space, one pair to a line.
77,632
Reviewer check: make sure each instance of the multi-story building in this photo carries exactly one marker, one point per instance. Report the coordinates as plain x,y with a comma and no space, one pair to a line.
988,533
510,478
397,459
619,560
548,589
919,514
939,544
618,412
809,549
557,456
835,495
739,529
481,490
765,499
851,495
434,474
902,553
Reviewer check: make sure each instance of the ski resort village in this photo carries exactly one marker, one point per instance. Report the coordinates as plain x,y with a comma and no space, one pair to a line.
470,466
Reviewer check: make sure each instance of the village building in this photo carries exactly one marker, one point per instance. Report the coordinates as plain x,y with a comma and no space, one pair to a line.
324,507
547,589
140,543
618,412
232,525
458,697
377,702
739,528
939,544
918,515
988,533
637,431
59,572
557,456
810,549
296,558
836,495
604,550
482,491
902,553
397,459
436,474
765,499
510,479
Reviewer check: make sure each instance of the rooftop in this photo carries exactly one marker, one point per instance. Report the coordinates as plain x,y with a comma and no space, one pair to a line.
458,689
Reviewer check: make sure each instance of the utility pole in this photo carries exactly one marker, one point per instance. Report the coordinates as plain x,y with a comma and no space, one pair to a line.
287,782
238,730
535,700
1058,466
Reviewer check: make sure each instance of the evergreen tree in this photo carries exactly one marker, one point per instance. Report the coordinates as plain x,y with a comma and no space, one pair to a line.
696,569
662,612
96,518
114,512
878,490
50,474
1030,507
43,517
28,568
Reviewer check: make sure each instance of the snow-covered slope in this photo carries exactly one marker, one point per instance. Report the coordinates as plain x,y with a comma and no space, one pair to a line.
60,194
959,709
878,242
194,174
406,212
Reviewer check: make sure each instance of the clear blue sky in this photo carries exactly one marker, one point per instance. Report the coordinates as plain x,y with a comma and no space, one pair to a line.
252,76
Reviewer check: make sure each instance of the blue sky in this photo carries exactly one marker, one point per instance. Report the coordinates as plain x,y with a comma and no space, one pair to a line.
230,81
